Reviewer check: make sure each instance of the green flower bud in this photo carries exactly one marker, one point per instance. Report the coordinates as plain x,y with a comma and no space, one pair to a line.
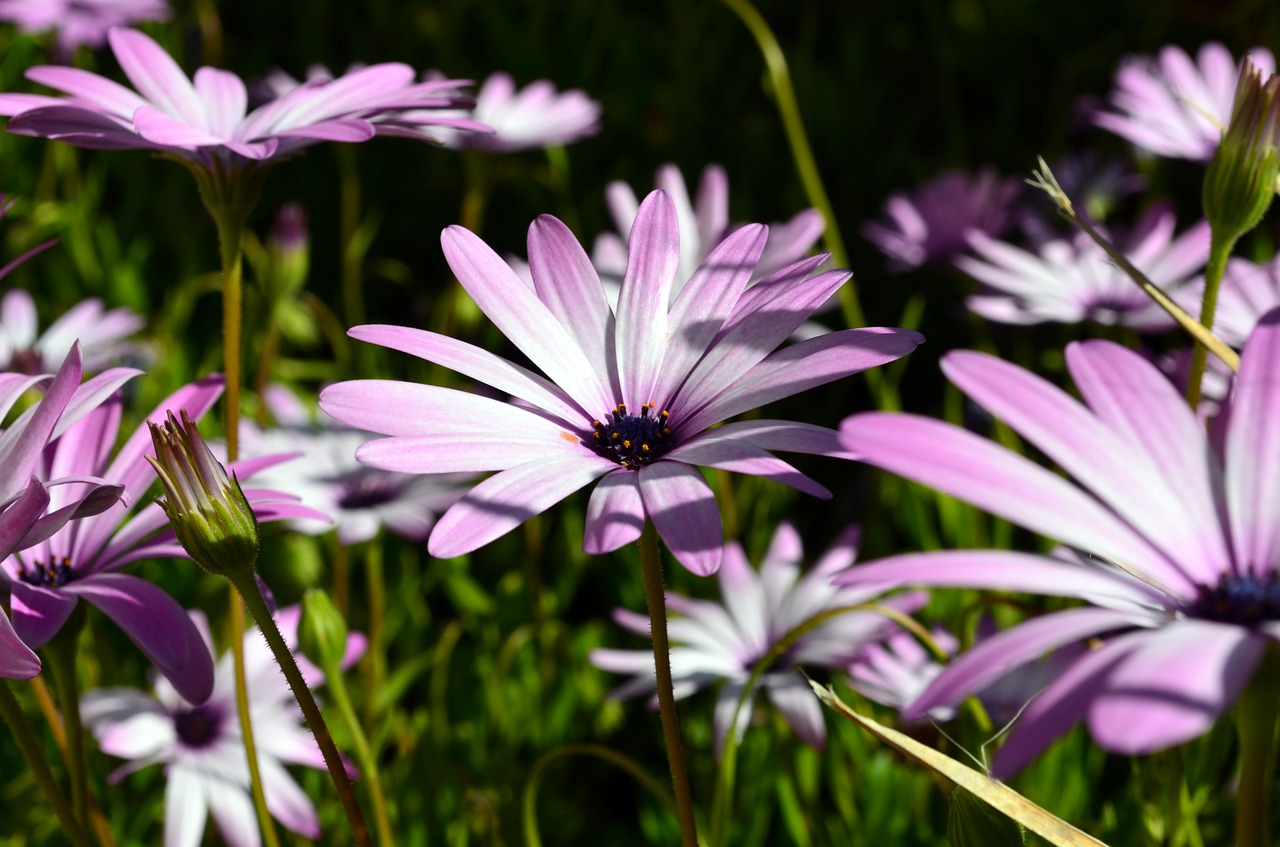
322,633
1241,179
207,509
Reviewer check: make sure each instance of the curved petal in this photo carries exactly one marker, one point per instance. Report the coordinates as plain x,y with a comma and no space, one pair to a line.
451,452
233,813
17,661
706,302
477,363
38,613
524,319
88,87
156,75
787,436
615,513
1001,570
653,257
186,807
731,454
978,471
1174,686
802,366
507,499
683,510
391,407
1253,449
157,624
567,282
287,801
1060,705
726,705
20,516
992,658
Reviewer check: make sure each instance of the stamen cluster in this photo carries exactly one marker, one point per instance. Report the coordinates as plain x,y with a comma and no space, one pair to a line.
53,575
633,441
1245,599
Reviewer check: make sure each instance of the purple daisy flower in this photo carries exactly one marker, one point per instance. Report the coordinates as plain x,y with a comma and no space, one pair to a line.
929,225
201,746
1073,280
530,118
82,560
1173,106
24,499
361,499
1181,527
206,120
629,395
713,642
80,22
101,333
703,224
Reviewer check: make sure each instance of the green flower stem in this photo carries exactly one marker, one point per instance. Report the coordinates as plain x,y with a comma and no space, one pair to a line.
1219,252
375,656
229,231
265,822
60,656
33,754
368,761
341,590
806,164
1256,727
247,585
651,561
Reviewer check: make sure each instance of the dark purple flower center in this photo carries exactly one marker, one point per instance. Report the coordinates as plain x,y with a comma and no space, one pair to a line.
47,576
1244,599
367,492
632,441
26,362
199,726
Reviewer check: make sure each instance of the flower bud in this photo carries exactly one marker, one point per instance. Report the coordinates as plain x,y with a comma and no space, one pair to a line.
322,633
288,249
1241,179
208,510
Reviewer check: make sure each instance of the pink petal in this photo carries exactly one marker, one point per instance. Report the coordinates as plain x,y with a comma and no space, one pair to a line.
157,624
683,510
653,256
1253,450
186,806
38,613
794,697
224,99
615,513
16,659
730,454
1174,687
20,515
509,498
994,479
523,318
156,76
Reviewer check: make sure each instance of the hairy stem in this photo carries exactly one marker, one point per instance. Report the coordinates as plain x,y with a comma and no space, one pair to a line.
651,560
252,596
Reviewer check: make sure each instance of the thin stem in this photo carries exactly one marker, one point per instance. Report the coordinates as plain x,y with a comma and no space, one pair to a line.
265,823
1219,252
60,656
229,230
806,164
341,576
651,561
1256,726
33,754
247,585
376,657
368,761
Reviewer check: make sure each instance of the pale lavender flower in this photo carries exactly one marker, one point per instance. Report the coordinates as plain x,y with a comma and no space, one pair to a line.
1173,106
703,224
102,334
1181,527
929,225
82,561
1071,280
80,22
201,746
360,499
721,642
630,395
530,118
25,518
206,121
